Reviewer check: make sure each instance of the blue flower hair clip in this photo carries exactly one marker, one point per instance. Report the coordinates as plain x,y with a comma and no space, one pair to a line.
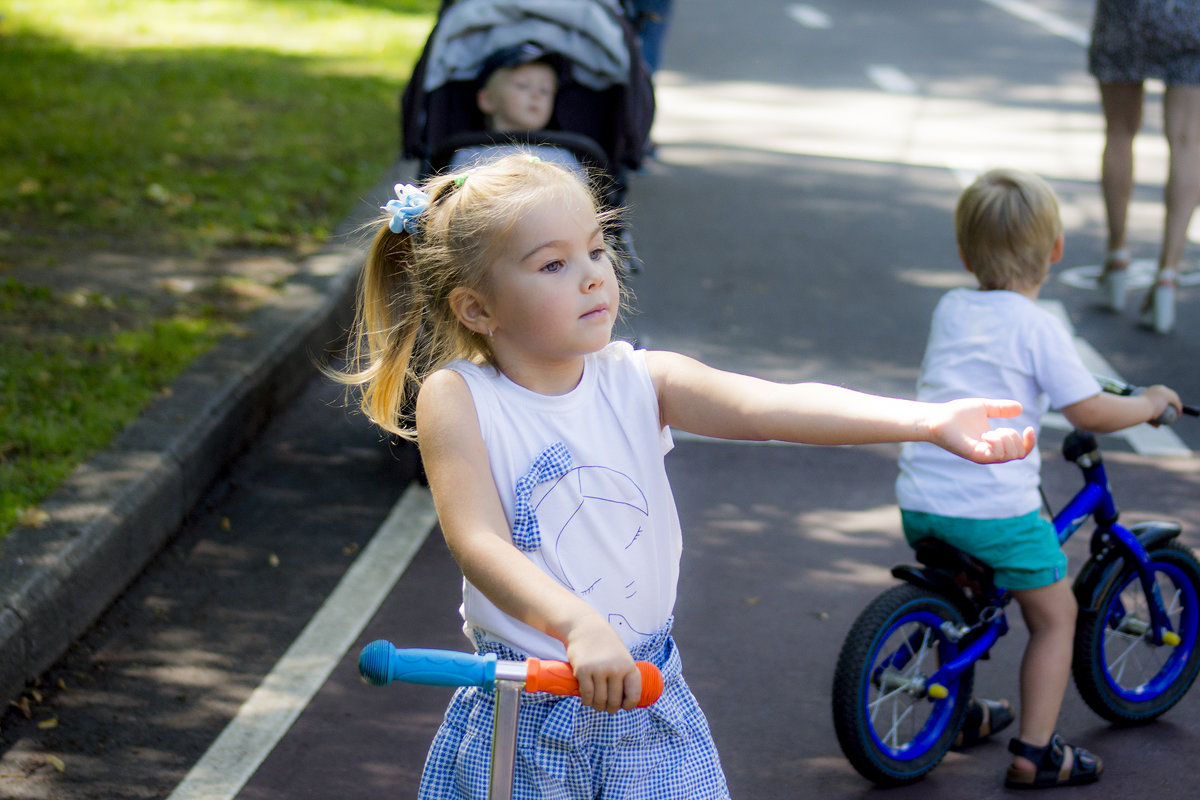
411,202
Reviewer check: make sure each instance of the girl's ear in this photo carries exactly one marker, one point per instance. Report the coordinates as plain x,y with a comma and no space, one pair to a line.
471,309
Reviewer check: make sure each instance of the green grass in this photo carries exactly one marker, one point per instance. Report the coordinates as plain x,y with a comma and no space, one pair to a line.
194,124
64,395
167,127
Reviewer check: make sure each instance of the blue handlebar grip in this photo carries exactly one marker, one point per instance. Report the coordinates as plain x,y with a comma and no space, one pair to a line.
381,662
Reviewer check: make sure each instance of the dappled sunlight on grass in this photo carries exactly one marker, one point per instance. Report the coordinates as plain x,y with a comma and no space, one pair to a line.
340,31
197,124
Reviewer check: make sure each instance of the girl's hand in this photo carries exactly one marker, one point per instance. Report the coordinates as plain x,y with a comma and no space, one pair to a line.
963,427
608,678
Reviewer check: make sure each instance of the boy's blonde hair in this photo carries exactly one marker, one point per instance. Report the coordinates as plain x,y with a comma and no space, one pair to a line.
405,327
1006,223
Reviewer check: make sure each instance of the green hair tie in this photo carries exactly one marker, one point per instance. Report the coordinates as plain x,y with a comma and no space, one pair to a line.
459,180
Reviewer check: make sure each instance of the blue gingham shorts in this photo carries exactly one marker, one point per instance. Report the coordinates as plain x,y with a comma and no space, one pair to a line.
566,751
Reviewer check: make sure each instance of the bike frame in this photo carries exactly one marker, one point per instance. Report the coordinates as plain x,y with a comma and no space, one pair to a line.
1093,500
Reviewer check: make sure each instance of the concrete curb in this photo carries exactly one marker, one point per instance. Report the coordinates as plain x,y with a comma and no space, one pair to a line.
117,510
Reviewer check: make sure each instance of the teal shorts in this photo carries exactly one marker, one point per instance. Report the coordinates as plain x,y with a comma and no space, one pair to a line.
1024,551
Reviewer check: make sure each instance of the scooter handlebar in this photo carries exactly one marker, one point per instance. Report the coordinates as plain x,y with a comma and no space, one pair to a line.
381,663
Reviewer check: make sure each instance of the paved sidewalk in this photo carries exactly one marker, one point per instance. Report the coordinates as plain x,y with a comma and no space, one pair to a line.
118,509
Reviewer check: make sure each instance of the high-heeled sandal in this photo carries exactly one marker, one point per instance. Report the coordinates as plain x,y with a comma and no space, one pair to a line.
1158,309
1049,770
1114,278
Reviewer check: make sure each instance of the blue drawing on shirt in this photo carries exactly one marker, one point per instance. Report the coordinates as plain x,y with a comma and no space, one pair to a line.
592,521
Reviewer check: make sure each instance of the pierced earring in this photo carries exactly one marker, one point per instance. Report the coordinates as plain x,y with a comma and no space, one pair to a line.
490,335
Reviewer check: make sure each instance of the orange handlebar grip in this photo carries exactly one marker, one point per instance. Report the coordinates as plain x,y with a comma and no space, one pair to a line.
652,684
556,677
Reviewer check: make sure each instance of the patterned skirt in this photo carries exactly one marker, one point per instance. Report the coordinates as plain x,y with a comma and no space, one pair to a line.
1137,39
566,751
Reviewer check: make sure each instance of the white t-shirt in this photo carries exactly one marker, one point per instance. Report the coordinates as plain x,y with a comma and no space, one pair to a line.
1000,345
609,527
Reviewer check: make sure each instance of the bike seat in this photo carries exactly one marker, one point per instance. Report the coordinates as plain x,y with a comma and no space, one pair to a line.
936,554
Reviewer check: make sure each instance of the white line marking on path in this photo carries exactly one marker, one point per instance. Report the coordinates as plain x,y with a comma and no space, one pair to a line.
810,17
891,79
1052,23
1142,272
277,702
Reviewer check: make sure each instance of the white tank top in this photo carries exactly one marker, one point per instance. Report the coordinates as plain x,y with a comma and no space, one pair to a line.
609,530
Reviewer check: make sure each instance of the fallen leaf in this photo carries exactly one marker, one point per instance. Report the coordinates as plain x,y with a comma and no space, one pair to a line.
273,560
226,524
48,724
55,762
33,518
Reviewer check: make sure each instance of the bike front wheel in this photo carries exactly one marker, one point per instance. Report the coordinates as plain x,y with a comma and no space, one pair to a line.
1122,674
889,728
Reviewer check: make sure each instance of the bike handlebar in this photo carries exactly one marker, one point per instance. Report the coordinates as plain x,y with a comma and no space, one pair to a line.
381,663
1169,414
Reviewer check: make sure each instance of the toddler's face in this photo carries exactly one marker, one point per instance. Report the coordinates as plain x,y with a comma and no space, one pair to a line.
520,98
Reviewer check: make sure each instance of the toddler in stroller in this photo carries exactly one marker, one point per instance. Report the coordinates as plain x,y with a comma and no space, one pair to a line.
517,87
602,110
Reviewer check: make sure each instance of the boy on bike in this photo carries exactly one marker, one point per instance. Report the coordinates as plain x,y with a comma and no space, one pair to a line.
995,341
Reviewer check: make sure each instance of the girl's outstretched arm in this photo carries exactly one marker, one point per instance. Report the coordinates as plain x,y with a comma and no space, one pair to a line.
710,402
477,532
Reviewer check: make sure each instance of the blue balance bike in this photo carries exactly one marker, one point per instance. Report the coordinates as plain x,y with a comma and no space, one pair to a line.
905,673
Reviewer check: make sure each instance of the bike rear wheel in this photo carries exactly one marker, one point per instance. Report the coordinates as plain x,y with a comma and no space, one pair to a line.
891,731
1121,673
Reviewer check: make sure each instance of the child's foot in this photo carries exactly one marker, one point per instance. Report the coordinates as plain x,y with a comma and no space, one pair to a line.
984,717
1113,279
1056,764
1158,309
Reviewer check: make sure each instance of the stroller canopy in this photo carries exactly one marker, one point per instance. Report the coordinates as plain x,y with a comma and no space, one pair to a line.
588,34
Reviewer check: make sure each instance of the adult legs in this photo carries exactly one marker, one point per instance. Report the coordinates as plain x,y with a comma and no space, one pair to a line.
1181,123
1049,614
1122,105
650,20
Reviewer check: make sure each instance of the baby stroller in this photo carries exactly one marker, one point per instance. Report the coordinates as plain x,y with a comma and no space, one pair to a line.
603,108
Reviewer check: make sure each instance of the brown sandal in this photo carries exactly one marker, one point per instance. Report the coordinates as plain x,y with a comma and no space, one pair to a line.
1050,772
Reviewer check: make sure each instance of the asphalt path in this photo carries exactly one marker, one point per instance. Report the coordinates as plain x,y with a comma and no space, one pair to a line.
796,226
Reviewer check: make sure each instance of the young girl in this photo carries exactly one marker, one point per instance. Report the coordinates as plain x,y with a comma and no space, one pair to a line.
492,295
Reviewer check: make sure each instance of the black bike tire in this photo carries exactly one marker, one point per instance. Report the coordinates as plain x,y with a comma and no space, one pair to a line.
850,717
1088,663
